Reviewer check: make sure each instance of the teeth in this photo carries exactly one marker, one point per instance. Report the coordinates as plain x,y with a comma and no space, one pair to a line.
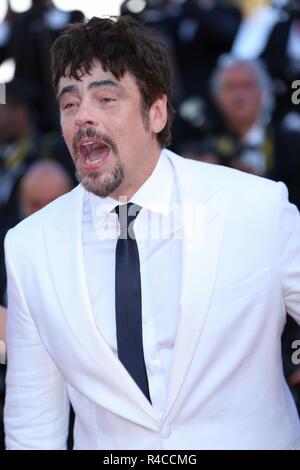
93,162
89,143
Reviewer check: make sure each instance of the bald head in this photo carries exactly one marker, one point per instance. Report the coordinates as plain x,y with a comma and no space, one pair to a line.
42,183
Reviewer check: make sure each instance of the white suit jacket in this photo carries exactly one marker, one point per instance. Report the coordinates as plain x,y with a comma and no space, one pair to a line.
241,271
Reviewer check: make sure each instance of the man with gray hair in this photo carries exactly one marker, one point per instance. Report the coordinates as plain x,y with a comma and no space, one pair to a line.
245,138
243,93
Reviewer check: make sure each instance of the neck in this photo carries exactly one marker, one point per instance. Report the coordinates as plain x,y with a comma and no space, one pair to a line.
241,128
128,188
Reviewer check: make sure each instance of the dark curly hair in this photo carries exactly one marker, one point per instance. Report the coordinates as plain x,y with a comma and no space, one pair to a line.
121,45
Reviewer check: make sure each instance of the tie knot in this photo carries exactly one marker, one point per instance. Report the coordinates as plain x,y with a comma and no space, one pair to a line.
127,214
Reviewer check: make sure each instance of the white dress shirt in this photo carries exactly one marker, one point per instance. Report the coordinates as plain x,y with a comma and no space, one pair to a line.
158,233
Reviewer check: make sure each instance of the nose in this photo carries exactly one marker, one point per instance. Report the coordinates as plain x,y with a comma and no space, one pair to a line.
85,115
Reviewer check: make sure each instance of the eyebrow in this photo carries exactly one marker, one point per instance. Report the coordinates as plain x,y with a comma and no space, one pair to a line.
65,90
96,84
103,83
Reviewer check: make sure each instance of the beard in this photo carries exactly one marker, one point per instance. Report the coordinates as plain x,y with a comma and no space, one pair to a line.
100,184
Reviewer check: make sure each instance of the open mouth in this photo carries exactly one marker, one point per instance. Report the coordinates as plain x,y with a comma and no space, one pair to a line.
93,153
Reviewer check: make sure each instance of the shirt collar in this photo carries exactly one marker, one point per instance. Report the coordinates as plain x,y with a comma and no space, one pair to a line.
154,194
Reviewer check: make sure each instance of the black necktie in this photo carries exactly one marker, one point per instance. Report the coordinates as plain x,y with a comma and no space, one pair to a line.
129,300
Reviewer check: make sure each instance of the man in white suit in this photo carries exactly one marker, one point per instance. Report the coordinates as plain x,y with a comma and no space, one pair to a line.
212,265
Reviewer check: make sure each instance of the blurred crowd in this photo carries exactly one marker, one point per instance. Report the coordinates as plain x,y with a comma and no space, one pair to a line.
236,92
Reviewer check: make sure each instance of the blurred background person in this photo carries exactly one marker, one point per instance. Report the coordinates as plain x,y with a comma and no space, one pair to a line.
44,181
18,148
27,38
21,144
255,29
272,33
282,58
245,137
242,93
204,31
197,32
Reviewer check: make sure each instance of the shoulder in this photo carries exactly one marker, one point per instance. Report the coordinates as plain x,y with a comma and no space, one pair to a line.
207,178
244,197
29,231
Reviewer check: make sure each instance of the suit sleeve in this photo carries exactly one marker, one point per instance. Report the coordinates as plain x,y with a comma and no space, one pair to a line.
36,411
289,252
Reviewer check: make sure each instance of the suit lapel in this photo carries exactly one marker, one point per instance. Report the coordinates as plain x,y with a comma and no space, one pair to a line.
202,219
65,256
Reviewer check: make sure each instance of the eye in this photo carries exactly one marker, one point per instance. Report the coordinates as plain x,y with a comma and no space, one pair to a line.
68,105
107,99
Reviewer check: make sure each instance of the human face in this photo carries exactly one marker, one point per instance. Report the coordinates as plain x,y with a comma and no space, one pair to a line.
40,188
240,97
111,140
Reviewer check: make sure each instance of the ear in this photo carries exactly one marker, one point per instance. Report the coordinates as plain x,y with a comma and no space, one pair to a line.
158,114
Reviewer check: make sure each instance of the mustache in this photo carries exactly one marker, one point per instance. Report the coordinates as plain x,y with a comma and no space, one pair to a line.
91,132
